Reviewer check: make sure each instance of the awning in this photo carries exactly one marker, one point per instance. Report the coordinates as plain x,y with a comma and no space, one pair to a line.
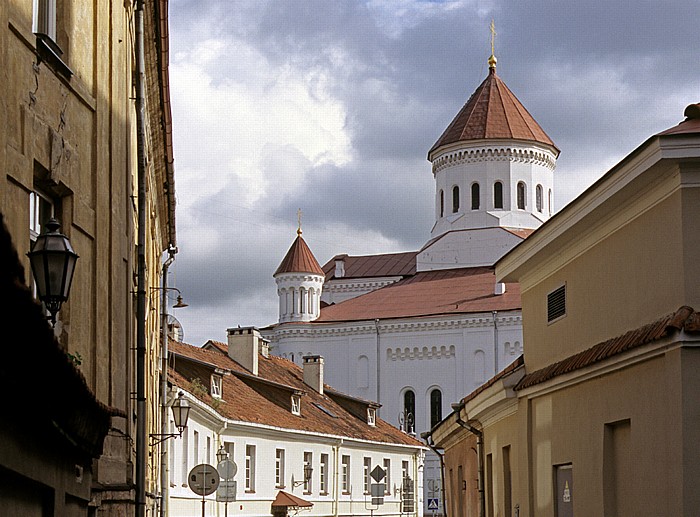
288,500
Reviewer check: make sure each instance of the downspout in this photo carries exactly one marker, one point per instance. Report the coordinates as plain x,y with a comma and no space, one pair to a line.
480,458
376,327
141,436
164,427
494,315
428,437
336,477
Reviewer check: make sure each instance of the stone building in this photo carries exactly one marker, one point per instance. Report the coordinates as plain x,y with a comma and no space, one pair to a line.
68,150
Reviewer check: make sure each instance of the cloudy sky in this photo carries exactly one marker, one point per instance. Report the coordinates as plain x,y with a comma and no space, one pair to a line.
331,106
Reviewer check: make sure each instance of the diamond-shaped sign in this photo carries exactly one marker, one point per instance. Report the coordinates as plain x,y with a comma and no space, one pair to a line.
378,473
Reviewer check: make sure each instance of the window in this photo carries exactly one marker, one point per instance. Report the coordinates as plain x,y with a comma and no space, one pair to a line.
409,404
475,196
208,450
366,469
44,25
216,386
308,463
196,448
556,304
498,195
455,199
550,201
40,211
345,474
296,404
538,198
404,469
45,18
250,468
279,468
435,407
442,203
371,416
323,481
521,195
184,467
387,477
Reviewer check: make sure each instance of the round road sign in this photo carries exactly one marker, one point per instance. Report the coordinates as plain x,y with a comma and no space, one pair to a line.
203,479
227,469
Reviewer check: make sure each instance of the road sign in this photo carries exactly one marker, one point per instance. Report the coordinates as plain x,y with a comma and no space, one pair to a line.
377,489
378,473
227,469
203,479
433,503
226,493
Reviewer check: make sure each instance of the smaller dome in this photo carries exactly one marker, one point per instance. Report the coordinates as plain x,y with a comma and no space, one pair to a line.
299,259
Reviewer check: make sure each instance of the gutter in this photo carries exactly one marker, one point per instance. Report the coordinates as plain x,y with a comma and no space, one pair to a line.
428,437
480,455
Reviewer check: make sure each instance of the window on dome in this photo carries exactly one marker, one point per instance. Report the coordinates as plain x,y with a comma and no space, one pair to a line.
475,196
442,203
521,196
455,199
498,195
538,198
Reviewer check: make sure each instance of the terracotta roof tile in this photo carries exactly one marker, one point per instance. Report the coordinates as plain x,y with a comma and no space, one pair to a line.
428,293
493,112
684,318
267,401
290,500
519,362
299,259
367,266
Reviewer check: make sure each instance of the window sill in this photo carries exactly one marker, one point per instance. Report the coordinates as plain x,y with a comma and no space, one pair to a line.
50,52
250,491
280,486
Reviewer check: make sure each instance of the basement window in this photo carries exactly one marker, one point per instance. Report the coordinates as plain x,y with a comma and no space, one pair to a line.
296,404
556,304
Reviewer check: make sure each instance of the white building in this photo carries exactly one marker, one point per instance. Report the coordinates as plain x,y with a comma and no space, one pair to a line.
415,331
274,418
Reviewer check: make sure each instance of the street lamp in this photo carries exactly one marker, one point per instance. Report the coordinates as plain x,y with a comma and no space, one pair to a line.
308,470
221,454
181,413
53,263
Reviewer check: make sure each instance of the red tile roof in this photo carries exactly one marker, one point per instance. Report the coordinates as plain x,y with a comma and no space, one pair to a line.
266,399
493,111
290,500
299,259
366,266
684,318
518,363
690,125
428,293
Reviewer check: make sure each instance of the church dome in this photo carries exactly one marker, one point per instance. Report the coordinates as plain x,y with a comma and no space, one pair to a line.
492,112
299,259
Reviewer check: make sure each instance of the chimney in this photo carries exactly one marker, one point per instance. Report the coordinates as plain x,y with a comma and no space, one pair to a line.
339,266
313,372
243,347
500,289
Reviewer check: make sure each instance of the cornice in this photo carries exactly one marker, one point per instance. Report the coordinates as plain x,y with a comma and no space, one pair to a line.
504,153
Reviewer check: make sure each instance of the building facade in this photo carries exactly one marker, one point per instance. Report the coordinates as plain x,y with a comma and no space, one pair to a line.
276,419
416,330
68,150
599,415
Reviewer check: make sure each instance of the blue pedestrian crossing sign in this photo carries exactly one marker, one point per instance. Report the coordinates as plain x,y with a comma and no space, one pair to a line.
433,503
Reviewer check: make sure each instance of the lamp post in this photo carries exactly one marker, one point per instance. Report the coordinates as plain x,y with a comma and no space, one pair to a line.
53,263
181,413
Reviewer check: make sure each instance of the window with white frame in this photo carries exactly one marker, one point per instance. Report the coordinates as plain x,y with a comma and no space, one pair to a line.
44,21
216,385
366,469
184,468
404,469
345,474
250,468
323,481
387,476
279,468
520,195
308,464
208,450
296,404
371,416
196,448
41,209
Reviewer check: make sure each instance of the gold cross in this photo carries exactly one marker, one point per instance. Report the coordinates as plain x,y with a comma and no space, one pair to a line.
299,220
493,37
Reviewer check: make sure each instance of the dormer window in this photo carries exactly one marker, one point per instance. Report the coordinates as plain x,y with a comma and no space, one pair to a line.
371,416
216,386
296,404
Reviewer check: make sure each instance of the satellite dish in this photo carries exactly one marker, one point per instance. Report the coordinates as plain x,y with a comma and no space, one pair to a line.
175,331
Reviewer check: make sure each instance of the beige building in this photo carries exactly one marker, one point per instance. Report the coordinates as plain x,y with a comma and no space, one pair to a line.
600,416
68,149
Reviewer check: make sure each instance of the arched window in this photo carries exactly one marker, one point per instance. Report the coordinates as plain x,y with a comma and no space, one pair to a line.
362,372
521,195
550,201
455,199
498,195
442,203
435,407
538,198
409,403
475,196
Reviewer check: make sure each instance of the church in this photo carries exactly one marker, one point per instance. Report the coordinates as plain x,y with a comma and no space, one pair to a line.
416,330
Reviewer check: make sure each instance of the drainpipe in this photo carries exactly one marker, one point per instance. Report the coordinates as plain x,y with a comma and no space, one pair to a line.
336,477
141,436
376,327
494,314
164,427
480,455
428,438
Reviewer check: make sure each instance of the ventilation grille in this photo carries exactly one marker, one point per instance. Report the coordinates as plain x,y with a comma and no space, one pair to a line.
556,304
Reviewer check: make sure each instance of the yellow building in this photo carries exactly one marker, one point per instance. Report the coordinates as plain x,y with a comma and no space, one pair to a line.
68,149
600,416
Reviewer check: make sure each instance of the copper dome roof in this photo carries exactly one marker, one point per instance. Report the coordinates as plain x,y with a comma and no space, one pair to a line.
299,259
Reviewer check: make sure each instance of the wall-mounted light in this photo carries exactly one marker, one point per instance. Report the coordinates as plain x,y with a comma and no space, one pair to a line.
181,413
